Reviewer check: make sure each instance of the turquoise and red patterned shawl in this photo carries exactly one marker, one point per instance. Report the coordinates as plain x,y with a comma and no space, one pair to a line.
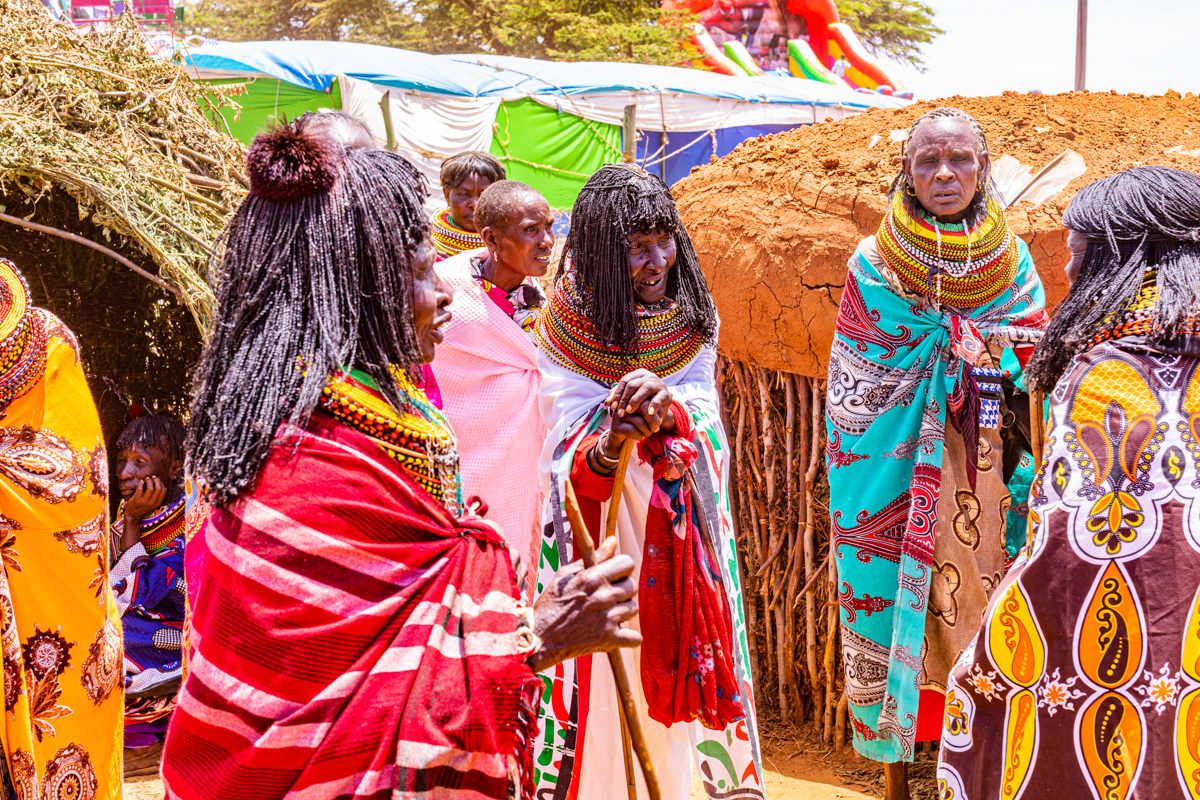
896,367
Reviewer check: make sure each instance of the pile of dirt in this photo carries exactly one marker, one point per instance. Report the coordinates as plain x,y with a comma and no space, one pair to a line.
776,220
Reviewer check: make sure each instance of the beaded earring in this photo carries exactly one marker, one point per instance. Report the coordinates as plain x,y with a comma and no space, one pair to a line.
909,190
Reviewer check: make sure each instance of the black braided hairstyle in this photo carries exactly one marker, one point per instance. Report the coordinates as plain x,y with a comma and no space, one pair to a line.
617,201
1145,218
314,275
977,209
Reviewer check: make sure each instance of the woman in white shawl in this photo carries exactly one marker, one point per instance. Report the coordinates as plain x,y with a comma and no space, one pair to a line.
626,353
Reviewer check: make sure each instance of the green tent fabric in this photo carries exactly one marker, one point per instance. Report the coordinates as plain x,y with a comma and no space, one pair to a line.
551,151
266,98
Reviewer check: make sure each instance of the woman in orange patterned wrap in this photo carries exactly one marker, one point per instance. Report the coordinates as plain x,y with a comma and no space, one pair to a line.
1085,679
60,634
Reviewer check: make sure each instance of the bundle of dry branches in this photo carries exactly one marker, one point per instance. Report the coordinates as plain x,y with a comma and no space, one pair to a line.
121,132
776,422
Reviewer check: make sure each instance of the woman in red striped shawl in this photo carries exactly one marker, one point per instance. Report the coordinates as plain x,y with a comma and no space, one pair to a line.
358,630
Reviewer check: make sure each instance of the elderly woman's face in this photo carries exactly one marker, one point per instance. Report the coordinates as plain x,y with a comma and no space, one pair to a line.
944,165
651,256
430,302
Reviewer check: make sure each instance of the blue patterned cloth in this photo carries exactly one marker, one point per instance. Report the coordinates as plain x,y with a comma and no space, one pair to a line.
895,371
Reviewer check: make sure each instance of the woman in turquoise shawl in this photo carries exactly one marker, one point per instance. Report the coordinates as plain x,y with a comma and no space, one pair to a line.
934,306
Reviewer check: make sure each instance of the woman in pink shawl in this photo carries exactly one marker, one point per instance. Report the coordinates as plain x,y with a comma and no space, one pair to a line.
487,364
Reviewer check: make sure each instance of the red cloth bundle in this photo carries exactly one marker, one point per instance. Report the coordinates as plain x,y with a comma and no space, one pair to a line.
687,662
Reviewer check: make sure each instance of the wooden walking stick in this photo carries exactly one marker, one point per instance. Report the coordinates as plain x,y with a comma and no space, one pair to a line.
610,522
587,551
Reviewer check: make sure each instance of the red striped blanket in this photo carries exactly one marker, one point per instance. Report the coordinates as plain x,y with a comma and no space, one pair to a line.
354,639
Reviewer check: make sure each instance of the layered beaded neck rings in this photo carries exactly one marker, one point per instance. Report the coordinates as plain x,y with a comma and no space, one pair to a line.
22,337
417,435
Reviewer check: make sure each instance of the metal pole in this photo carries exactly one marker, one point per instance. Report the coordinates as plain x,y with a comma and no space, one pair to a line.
630,133
1081,47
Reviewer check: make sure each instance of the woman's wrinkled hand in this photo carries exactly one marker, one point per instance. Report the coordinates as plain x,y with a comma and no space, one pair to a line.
582,610
641,405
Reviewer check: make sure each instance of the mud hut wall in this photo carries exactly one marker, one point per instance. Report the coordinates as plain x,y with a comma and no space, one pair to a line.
780,500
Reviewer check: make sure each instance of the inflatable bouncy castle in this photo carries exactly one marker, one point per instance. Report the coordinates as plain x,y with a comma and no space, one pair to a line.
804,38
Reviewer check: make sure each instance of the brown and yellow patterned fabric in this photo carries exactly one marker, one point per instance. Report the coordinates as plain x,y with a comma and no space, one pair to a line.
1085,678
60,636
968,556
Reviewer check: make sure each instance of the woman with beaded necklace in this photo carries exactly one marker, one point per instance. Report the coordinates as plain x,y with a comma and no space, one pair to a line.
936,306
627,355
1085,678
358,631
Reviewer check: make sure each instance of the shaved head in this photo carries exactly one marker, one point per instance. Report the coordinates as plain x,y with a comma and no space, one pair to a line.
502,201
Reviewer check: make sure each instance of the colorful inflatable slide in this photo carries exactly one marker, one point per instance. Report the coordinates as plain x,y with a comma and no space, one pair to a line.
748,37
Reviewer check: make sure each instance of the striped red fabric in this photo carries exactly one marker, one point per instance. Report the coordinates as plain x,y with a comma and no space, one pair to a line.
354,640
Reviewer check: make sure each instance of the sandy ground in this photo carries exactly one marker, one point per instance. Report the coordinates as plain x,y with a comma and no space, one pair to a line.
798,766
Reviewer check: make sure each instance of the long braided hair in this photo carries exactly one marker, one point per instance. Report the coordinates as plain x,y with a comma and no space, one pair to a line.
314,274
617,201
977,209
1142,219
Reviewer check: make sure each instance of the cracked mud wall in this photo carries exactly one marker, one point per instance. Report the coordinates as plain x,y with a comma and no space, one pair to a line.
775,222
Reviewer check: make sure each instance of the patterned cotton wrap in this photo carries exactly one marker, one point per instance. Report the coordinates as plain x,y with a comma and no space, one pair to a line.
897,362
1084,680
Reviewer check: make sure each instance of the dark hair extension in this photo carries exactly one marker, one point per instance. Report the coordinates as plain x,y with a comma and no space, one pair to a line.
154,430
496,202
977,209
1142,219
617,201
456,169
307,285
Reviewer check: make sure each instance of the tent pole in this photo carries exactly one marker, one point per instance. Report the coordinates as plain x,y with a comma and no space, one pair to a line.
629,127
385,105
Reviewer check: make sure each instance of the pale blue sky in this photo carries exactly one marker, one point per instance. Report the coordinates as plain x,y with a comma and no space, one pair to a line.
1145,46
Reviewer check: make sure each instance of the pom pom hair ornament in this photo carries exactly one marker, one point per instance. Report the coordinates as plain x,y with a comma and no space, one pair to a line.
291,163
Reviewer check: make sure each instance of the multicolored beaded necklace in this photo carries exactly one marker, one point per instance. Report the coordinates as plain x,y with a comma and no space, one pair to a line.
1137,319
666,342
23,337
160,528
448,238
949,263
417,435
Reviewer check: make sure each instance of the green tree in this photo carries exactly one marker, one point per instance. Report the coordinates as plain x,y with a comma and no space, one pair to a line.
892,28
575,30
264,20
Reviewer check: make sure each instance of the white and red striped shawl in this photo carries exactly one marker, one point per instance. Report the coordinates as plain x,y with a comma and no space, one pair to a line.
353,641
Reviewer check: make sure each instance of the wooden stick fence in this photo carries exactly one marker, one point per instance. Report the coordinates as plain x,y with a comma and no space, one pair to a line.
780,496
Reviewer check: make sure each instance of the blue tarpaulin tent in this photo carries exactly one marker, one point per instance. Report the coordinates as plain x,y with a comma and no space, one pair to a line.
552,123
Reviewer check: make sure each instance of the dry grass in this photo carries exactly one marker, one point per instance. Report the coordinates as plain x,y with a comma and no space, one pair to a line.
122,133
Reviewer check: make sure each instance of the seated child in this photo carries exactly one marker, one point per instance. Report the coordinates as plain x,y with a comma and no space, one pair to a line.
463,178
148,539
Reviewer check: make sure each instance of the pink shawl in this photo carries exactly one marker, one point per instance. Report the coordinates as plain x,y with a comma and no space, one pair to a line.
487,370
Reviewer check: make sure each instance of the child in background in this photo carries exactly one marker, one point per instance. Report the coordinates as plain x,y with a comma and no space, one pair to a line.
463,179
148,541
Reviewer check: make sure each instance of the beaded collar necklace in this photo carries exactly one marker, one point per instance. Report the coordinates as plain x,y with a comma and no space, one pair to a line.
160,528
448,238
1137,318
418,435
666,341
23,337
949,263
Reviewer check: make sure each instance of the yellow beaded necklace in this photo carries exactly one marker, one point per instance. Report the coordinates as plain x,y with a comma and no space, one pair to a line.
418,436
